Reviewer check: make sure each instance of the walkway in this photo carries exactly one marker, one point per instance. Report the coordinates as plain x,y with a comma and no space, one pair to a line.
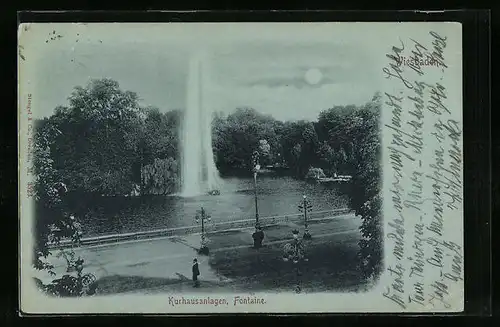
165,263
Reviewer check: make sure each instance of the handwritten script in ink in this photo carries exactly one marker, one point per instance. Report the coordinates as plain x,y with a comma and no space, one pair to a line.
423,138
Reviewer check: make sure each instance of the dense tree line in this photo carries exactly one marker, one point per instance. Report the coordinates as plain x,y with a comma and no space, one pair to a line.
336,142
105,143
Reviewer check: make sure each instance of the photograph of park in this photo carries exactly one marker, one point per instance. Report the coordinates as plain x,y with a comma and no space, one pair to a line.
208,167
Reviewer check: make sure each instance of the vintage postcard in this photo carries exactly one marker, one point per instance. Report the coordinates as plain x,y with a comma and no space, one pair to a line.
240,167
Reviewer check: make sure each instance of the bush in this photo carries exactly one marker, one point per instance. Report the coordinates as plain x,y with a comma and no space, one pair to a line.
315,173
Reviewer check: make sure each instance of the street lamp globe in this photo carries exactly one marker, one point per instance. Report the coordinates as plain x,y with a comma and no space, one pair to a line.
304,196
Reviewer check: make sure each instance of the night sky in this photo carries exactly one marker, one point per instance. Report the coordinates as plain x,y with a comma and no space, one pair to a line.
262,67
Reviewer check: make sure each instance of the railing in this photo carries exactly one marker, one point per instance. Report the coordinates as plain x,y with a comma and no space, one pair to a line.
211,228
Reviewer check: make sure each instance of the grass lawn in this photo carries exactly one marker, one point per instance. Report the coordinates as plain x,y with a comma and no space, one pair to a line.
332,266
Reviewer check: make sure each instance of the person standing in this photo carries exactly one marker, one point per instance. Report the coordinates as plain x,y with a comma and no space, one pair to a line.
258,237
196,273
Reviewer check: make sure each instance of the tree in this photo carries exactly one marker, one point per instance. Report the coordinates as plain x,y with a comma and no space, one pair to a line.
299,142
365,188
98,146
264,152
350,143
53,222
159,151
161,176
241,133
326,158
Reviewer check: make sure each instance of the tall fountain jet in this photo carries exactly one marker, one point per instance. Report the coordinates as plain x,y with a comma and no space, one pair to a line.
199,174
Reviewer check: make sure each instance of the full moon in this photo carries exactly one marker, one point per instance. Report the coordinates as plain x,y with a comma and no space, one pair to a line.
313,76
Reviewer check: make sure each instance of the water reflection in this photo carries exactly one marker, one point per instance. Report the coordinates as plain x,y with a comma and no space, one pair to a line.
277,196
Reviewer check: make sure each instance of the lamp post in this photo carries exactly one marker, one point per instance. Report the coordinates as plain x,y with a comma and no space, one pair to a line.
295,252
305,207
256,168
202,216
258,235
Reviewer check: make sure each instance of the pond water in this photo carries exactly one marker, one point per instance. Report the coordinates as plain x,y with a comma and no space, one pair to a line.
277,195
